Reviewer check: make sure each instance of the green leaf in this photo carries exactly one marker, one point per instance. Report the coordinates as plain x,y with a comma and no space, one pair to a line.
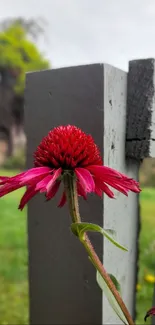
113,302
80,228
115,282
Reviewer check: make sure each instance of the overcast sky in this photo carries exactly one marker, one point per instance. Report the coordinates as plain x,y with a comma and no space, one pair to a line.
90,31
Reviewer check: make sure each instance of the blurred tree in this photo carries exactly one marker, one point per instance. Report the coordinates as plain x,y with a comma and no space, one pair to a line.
18,54
33,27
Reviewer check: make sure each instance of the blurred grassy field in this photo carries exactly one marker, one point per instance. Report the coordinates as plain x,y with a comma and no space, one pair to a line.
147,253
13,258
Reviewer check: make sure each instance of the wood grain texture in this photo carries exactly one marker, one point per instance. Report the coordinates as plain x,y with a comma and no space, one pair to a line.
140,136
120,214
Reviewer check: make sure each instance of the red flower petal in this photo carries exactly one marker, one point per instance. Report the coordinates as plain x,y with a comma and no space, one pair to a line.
115,179
47,183
118,187
32,173
85,179
103,187
122,185
30,192
101,171
3,179
55,175
12,179
98,190
81,191
53,190
8,188
62,201
41,186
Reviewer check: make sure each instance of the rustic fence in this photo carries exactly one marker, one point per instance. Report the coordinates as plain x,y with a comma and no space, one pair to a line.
117,108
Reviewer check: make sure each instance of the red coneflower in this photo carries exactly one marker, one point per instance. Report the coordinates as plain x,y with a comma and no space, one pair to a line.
67,149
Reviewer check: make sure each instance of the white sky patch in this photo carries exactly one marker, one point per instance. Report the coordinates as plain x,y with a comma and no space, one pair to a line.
90,31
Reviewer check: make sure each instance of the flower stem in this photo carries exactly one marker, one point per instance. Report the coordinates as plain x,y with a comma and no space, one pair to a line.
100,267
72,198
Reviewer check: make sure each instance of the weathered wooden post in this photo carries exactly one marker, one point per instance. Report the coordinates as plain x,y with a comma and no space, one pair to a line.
94,98
140,141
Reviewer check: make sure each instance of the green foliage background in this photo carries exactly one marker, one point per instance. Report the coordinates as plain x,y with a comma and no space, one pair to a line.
19,54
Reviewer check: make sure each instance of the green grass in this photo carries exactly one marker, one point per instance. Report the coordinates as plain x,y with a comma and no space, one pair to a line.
147,253
13,257
13,260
